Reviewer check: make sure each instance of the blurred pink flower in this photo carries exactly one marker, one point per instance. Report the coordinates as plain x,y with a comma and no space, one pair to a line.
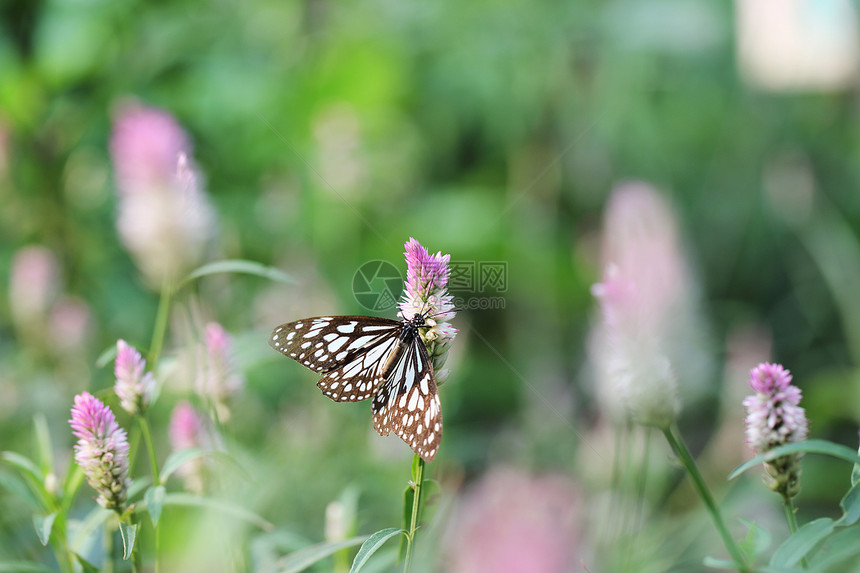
218,379
101,451
70,325
165,219
33,286
649,334
511,522
133,387
189,430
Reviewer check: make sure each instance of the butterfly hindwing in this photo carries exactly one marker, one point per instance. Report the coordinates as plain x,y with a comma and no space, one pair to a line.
408,402
326,343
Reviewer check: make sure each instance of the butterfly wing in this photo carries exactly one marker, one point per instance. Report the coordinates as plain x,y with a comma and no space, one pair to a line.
349,350
359,378
408,402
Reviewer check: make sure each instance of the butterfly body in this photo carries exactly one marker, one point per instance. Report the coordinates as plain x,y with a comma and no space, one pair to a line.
363,357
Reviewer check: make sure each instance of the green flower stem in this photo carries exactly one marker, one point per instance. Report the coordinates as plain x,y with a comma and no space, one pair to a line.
147,438
416,507
160,329
791,518
686,458
62,552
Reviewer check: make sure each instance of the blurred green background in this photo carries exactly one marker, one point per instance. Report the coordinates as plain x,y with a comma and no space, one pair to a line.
329,133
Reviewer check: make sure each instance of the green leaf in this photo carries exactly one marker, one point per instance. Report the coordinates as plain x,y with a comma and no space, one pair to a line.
154,498
850,505
32,476
855,473
238,266
188,500
44,524
178,459
304,558
86,566
129,535
106,357
15,484
138,485
839,547
369,547
74,479
24,465
43,444
809,447
715,563
97,516
802,542
756,541
23,567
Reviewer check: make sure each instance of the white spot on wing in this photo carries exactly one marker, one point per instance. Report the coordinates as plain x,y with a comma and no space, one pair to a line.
359,342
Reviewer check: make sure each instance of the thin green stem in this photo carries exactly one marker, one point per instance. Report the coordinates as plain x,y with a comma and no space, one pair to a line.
790,515
160,329
107,563
791,518
686,458
147,438
416,507
62,551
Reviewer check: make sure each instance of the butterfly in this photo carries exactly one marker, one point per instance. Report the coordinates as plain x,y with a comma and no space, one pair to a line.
365,357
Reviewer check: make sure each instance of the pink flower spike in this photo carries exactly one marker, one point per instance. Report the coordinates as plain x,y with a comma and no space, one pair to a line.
101,451
189,430
145,145
425,294
218,378
164,218
132,386
769,378
774,418
185,427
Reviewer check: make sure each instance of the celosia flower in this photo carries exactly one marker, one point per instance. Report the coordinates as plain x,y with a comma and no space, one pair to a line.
188,430
164,218
218,379
133,387
101,451
426,293
511,522
774,418
649,336
70,325
33,285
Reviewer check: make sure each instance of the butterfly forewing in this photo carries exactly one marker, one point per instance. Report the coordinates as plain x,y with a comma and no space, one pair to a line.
408,402
359,378
325,343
